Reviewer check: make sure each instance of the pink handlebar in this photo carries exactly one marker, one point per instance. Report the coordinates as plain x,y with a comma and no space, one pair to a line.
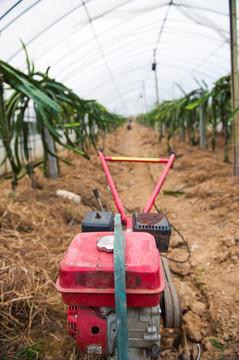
158,186
135,159
118,202
159,183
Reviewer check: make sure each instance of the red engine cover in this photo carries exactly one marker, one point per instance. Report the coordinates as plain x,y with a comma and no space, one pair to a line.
87,274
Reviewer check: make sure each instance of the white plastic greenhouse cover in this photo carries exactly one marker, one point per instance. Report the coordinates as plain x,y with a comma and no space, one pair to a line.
104,49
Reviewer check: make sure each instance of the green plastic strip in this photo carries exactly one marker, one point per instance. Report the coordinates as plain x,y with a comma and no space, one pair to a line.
120,291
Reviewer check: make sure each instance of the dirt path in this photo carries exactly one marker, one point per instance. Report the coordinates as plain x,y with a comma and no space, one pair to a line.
35,234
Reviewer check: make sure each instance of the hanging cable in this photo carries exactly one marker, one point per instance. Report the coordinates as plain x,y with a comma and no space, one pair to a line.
185,242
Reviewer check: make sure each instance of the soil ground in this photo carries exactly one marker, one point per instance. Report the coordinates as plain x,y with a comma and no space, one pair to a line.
37,227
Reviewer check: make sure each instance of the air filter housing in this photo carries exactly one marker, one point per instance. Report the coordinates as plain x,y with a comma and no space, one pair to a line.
98,221
156,225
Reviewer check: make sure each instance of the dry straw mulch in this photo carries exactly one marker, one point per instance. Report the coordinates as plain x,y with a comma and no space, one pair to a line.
36,228
29,262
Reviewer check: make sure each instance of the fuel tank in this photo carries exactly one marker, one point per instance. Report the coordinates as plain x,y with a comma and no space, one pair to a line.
87,273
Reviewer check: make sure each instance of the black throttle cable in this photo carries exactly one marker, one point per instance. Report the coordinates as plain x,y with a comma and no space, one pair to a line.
185,242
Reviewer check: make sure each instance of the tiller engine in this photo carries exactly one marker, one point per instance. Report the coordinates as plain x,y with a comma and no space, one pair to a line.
114,282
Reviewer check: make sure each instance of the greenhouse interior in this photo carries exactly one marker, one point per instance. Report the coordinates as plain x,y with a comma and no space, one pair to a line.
97,261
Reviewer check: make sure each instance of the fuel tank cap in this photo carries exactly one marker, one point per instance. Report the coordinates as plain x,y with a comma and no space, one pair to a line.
106,243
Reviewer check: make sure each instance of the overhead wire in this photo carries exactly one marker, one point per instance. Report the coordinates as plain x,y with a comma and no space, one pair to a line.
110,46
200,8
103,54
162,27
87,90
74,31
45,29
122,65
204,21
107,12
210,55
9,10
113,41
84,84
206,59
164,22
196,34
73,63
17,17
159,36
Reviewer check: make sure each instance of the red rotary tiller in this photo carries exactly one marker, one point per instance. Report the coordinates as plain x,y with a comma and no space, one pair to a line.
114,281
